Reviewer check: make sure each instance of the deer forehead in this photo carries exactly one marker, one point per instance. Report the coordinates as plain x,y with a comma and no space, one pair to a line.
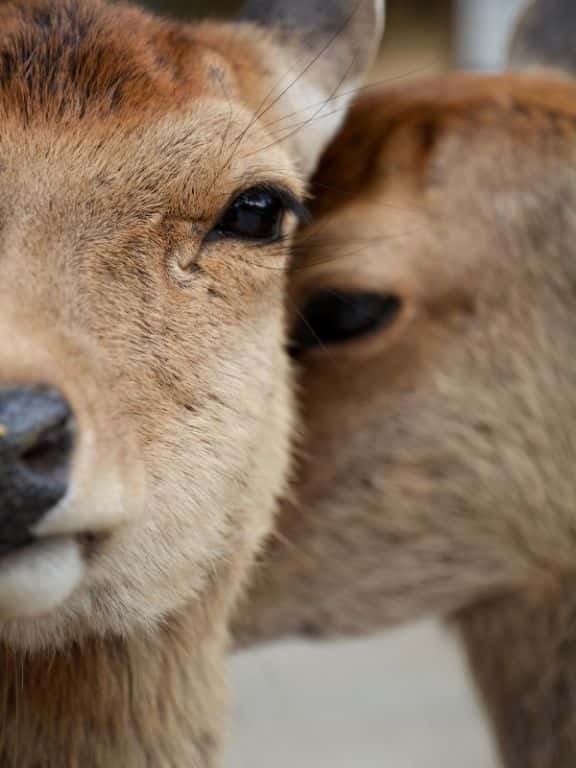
80,99
75,61
408,153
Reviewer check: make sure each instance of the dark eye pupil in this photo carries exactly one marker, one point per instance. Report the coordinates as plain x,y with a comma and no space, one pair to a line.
254,215
333,317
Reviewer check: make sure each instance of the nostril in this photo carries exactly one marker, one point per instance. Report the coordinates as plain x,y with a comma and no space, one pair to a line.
49,456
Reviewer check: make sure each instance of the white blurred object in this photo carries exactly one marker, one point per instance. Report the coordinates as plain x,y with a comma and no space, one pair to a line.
483,29
401,700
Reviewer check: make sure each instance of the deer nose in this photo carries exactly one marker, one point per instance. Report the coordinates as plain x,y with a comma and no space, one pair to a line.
36,443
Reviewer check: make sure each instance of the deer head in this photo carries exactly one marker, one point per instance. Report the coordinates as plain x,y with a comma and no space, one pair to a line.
433,339
150,187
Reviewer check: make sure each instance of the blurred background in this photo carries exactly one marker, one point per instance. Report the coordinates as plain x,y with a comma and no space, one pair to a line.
429,34
401,700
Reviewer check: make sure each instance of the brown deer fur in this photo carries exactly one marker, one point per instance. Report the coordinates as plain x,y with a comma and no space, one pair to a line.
123,138
438,476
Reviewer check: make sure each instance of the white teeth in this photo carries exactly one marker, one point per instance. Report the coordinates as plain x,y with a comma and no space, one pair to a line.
39,578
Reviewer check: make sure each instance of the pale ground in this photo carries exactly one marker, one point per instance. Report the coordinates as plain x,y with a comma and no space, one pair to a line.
401,700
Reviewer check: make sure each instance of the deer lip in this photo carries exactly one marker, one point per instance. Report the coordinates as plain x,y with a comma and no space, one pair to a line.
39,577
89,543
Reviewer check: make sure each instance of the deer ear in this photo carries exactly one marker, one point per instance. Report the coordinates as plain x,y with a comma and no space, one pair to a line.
326,48
545,36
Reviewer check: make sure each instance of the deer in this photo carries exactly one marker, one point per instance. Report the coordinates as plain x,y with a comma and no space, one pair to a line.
152,174
433,334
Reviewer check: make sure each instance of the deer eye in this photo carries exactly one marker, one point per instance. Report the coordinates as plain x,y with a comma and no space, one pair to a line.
333,317
256,214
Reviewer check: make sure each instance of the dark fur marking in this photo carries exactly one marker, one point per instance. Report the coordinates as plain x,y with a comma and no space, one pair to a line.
65,60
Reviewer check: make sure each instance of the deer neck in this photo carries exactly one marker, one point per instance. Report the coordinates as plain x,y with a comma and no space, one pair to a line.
144,701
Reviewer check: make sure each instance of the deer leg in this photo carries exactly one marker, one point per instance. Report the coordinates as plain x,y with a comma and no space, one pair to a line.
522,652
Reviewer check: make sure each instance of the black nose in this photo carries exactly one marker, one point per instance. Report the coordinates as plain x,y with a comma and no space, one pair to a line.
36,441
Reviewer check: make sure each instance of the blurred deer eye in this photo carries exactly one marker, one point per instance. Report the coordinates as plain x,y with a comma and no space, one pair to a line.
333,317
254,215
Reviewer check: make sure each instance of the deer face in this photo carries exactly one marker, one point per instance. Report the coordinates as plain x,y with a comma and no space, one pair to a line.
148,191
435,339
